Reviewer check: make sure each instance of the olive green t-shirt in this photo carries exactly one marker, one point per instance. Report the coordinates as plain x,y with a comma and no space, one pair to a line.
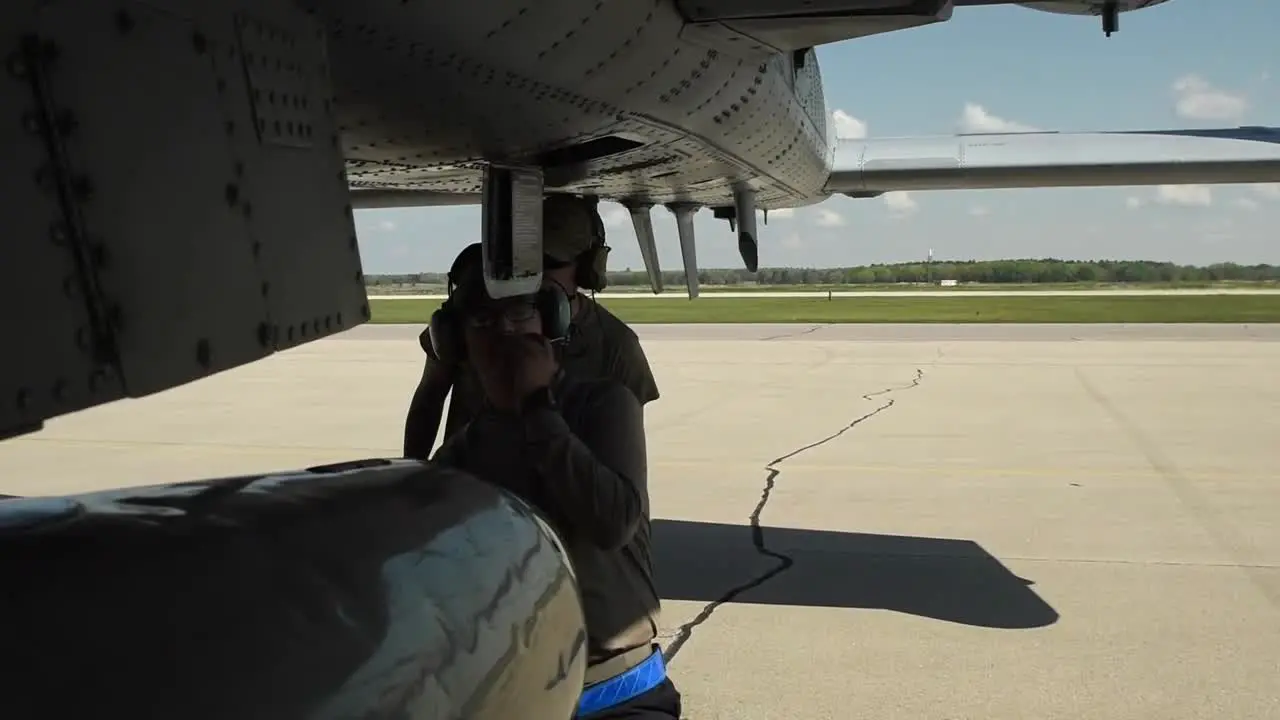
600,345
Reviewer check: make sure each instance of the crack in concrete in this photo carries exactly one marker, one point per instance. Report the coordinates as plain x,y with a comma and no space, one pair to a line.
784,561
806,331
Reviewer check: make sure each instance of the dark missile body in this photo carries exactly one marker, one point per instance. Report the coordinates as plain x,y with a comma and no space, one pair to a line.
373,589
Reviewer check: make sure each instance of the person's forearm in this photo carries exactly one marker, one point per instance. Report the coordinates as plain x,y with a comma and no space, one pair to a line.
597,502
423,422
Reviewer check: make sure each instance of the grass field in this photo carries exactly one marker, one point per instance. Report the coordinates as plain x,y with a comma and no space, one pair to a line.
1051,309
615,290
966,287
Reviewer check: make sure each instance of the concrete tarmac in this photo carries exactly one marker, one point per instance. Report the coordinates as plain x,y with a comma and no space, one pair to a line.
899,522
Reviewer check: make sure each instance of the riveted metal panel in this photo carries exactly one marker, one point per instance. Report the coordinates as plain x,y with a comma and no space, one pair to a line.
522,78
164,200
298,205
809,92
209,181
283,97
47,366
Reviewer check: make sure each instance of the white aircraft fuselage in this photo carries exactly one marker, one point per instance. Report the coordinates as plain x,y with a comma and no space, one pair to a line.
622,100
710,104
663,102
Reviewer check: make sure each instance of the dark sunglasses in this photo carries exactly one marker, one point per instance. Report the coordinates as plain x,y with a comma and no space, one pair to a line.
491,314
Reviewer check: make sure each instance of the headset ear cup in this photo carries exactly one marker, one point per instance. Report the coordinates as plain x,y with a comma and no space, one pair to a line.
553,306
592,270
600,267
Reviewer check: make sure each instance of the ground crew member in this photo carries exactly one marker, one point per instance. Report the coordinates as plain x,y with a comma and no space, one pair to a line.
574,259
439,377
574,448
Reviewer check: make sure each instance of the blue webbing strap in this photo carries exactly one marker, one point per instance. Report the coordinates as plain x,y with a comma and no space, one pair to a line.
620,688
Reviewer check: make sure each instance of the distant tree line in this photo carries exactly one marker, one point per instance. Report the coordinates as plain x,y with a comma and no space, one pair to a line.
972,271
1046,270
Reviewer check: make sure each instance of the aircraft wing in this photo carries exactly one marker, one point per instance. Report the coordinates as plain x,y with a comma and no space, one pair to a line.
863,168
786,25
373,198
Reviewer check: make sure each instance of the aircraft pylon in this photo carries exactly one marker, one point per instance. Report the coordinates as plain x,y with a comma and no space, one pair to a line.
642,221
688,244
744,204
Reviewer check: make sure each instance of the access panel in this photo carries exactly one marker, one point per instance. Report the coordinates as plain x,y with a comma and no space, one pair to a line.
177,196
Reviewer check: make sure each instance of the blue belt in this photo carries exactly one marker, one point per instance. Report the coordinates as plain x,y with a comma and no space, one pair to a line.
624,686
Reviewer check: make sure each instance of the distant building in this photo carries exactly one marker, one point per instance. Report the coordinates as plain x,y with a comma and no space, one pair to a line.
947,283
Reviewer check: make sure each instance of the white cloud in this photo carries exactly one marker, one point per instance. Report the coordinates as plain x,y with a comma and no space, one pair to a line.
976,119
829,218
792,241
900,203
1185,195
1196,99
979,211
614,215
848,126
1133,202
1246,203
782,214
1270,191
387,226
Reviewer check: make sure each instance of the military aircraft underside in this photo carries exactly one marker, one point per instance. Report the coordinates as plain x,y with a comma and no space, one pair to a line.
642,102
713,104
184,174
179,189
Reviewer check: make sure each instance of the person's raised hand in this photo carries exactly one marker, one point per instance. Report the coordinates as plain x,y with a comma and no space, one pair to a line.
513,366
535,364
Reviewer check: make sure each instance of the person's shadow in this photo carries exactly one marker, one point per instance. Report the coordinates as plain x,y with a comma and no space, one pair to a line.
944,579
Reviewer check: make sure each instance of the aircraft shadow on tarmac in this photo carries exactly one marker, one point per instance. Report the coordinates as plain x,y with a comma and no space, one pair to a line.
944,579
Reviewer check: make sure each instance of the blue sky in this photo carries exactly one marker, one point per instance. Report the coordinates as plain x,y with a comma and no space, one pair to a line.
1184,64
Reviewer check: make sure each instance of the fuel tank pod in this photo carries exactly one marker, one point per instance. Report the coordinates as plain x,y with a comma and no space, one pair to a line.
373,589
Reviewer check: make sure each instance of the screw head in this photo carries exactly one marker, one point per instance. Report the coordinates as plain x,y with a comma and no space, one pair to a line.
204,353
124,22
82,187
